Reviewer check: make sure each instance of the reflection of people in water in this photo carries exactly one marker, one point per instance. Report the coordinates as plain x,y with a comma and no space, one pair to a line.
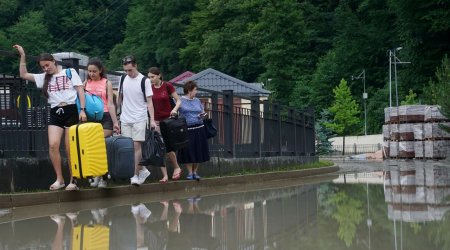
194,227
141,214
174,222
99,215
77,219
58,241
60,220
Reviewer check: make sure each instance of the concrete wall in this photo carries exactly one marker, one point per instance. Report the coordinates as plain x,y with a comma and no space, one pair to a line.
359,140
31,174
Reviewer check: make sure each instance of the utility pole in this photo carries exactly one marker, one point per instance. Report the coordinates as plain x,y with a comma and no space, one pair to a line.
362,75
390,78
394,60
397,61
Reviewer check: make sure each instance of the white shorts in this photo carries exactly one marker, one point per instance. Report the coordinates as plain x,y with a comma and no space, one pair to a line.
134,130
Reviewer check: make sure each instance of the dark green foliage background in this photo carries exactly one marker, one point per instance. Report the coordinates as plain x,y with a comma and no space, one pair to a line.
304,47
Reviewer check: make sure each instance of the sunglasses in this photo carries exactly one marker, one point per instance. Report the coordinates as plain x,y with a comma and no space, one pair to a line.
128,60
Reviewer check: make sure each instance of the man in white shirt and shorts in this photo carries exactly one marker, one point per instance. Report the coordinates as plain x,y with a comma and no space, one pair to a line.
134,117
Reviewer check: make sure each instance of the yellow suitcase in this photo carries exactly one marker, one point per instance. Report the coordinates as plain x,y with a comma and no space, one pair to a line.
87,150
90,237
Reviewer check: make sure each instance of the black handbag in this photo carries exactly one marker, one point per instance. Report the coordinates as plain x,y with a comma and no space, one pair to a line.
174,133
211,130
153,149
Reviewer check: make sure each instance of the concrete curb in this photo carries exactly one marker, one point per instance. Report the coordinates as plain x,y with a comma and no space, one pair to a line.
40,198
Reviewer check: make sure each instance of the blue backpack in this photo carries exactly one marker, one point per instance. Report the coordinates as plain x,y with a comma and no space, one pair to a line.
94,104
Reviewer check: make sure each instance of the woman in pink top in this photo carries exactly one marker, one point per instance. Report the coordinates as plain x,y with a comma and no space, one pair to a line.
99,85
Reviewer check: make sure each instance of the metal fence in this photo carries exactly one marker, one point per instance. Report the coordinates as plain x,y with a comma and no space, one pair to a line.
354,149
252,128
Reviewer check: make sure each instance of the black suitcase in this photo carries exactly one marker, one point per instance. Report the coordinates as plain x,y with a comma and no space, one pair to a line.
120,153
174,133
122,232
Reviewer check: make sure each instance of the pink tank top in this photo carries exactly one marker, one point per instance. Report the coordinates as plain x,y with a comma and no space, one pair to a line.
98,88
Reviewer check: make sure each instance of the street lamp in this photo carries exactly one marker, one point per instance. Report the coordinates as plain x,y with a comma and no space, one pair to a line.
393,59
268,82
363,76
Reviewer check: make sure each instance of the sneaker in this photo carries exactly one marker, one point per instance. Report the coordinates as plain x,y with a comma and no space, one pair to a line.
144,212
195,176
190,177
102,183
143,175
135,180
96,216
135,209
4,212
94,181
141,210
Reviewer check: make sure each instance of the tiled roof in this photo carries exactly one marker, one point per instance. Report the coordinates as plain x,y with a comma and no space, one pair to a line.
180,78
218,81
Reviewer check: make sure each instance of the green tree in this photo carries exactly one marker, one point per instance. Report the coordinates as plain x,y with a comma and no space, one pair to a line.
348,214
323,133
32,33
88,27
410,99
378,100
8,12
442,88
219,36
345,112
154,35
422,28
362,33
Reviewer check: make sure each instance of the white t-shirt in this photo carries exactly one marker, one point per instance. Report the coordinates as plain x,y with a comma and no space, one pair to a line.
134,108
60,87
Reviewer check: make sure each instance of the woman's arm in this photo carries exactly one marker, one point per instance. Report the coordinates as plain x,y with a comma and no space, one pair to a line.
177,102
111,107
23,64
80,91
151,111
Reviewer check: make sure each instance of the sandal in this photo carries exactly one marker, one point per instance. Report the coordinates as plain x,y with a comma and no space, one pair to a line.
57,185
176,174
57,218
71,187
163,180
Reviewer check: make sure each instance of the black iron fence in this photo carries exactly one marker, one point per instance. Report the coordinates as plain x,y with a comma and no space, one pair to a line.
354,149
251,127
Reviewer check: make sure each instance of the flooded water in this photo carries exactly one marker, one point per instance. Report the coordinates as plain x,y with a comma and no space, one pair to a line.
372,206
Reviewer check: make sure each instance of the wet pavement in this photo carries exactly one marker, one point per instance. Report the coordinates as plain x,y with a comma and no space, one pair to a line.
366,205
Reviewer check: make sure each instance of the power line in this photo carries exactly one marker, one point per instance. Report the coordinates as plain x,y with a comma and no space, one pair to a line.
90,30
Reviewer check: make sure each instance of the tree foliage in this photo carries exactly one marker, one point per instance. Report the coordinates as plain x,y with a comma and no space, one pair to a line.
441,88
323,133
344,110
305,47
410,99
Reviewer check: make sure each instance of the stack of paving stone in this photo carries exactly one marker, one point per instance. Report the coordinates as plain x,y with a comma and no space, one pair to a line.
415,131
418,193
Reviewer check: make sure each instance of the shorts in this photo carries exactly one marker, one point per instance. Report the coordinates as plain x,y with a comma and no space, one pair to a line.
136,131
107,122
64,116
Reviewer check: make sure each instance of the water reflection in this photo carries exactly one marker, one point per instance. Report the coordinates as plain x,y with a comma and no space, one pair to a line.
399,208
417,194
247,220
